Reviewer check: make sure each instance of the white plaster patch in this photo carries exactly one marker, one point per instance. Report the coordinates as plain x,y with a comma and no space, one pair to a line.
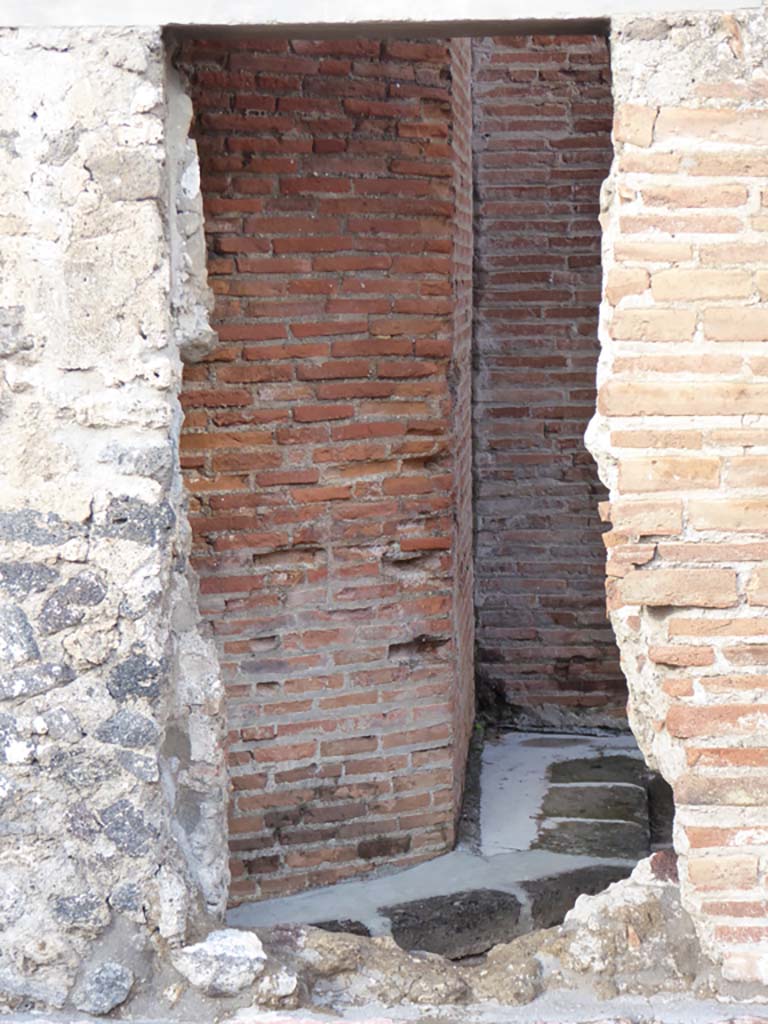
224,963
190,180
18,752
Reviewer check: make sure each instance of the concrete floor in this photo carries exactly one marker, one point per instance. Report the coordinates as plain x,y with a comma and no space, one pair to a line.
514,842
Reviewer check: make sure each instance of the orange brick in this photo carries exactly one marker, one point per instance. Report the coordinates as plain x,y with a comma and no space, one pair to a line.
723,872
668,473
696,283
702,588
656,439
757,587
735,908
725,757
754,934
736,324
634,124
747,471
738,437
741,515
706,790
639,398
725,253
644,518
681,656
634,162
717,627
745,127
312,494
747,654
692,196
621,281
734,683
677,686
739,163
688,721
653,324
629,251
692,365
711,223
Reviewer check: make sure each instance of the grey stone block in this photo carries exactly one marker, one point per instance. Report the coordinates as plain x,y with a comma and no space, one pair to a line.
553,896
31,680
17,641
127,828
20,579
136,520
612,768
137,676
458,925
104,988
85,908
67,604
128,728
37,528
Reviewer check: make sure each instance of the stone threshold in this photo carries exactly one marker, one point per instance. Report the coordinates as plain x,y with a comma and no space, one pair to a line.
553,817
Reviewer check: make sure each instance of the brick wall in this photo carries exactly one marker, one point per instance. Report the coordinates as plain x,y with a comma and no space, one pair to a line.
321,448
542,115
682,437
461,385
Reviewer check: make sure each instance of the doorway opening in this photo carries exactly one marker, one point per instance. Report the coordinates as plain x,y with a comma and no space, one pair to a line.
328,452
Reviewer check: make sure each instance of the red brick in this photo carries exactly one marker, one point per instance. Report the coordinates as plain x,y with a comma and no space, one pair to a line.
334,369
315,413
313,494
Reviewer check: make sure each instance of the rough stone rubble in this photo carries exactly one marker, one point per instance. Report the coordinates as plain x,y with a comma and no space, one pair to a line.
633,940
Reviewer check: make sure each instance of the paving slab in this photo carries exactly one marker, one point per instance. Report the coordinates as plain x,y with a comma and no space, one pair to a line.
459,925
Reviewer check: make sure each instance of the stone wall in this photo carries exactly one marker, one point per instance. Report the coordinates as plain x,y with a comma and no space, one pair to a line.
542,120
682,443
112,790
327,442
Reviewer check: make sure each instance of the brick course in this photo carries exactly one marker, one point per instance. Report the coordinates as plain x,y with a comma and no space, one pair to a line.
542,117
326,446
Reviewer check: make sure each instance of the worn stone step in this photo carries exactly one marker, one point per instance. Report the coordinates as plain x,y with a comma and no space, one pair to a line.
620,840
614,802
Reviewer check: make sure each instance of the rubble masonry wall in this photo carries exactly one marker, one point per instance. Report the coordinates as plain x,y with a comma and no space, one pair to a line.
112,789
